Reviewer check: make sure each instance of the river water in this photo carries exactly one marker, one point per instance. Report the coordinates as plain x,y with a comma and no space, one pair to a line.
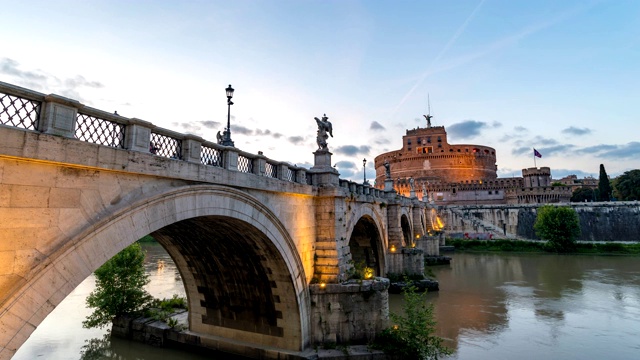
490,306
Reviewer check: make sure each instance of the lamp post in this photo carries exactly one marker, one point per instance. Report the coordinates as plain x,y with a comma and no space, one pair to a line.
364,171
226,138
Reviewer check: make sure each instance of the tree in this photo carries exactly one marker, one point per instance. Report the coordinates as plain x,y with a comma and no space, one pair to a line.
604,188
119,287
583,194
627,186
412,336
559,226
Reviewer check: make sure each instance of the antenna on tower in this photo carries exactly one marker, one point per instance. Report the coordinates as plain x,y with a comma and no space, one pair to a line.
428,116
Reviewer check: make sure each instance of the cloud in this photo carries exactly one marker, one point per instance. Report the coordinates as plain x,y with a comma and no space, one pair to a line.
522,150
376,126
553,150
196,126
346,165
239,129
210,124
296,140
572,130
79,81
381,141
352,150
267,132
520,129
539,140
630,150
10,67
467,129
597,149
347,169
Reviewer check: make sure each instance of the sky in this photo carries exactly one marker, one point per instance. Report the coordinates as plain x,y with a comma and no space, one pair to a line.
562,77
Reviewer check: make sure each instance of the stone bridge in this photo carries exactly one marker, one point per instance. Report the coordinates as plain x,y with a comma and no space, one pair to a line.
263,247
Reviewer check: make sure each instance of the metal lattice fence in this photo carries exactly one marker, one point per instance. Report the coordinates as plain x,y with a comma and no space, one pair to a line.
270,170
211,156
245,164
99,131
165,146
19,112
288,174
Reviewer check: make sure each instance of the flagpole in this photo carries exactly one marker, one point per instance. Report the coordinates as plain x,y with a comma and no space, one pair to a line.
534,159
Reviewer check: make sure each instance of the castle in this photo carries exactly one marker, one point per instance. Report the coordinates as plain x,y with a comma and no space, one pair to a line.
430,168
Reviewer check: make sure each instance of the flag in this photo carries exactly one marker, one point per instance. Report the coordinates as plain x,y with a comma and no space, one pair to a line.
536,153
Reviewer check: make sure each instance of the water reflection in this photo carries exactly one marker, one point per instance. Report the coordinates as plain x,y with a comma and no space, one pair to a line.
61,335
489,307
538,306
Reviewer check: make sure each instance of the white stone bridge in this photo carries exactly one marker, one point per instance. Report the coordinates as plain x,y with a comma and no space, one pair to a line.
255,240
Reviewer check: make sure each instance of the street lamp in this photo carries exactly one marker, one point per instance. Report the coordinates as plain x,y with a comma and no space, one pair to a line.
364,170
226,138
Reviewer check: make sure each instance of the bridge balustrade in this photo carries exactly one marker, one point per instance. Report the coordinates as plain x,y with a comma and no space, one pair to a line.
57,115
20,111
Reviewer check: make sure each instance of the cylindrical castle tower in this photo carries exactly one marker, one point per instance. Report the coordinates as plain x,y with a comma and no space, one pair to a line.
426,156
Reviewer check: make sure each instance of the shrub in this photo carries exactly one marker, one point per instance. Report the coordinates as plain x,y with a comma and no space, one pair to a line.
119,288
412,336
559,226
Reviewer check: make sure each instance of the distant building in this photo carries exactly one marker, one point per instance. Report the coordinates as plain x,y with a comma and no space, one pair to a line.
460,174
575,183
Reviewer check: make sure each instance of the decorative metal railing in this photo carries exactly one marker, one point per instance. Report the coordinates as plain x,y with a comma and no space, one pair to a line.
270,170
19,112
245,164
23,108
99,131
165,146
288,174
211,156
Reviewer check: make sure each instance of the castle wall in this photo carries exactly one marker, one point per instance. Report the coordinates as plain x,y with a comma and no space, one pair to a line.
605,221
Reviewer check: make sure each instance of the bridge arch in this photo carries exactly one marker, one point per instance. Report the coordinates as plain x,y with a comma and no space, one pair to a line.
368,237
219,212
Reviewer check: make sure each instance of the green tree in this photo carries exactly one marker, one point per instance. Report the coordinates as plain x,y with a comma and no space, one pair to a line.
559,226
413,335
604,188
627,186
119,287
582,194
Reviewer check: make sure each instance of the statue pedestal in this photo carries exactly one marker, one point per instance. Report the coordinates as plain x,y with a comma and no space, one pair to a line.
323,174
322,160
388,184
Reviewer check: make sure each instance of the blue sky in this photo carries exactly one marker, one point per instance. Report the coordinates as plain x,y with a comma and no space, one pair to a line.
560,76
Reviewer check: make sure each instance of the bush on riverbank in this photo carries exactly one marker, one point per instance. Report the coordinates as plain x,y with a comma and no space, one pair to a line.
119,287
538,246
413,334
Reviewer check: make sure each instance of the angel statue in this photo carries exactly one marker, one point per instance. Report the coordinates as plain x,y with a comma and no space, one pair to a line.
324,127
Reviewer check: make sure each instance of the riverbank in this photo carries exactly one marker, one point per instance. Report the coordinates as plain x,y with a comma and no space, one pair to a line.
607,248
150,331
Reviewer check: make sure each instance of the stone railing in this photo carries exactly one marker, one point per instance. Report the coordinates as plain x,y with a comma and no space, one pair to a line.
57,115
361,189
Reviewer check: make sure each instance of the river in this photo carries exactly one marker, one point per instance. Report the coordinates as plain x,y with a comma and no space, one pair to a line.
490,306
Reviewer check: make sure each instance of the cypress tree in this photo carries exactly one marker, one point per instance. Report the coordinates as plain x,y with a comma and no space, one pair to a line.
604,187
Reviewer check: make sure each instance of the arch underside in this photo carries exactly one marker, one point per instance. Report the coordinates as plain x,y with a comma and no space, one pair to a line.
366,245
243,275
236,276
406,230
